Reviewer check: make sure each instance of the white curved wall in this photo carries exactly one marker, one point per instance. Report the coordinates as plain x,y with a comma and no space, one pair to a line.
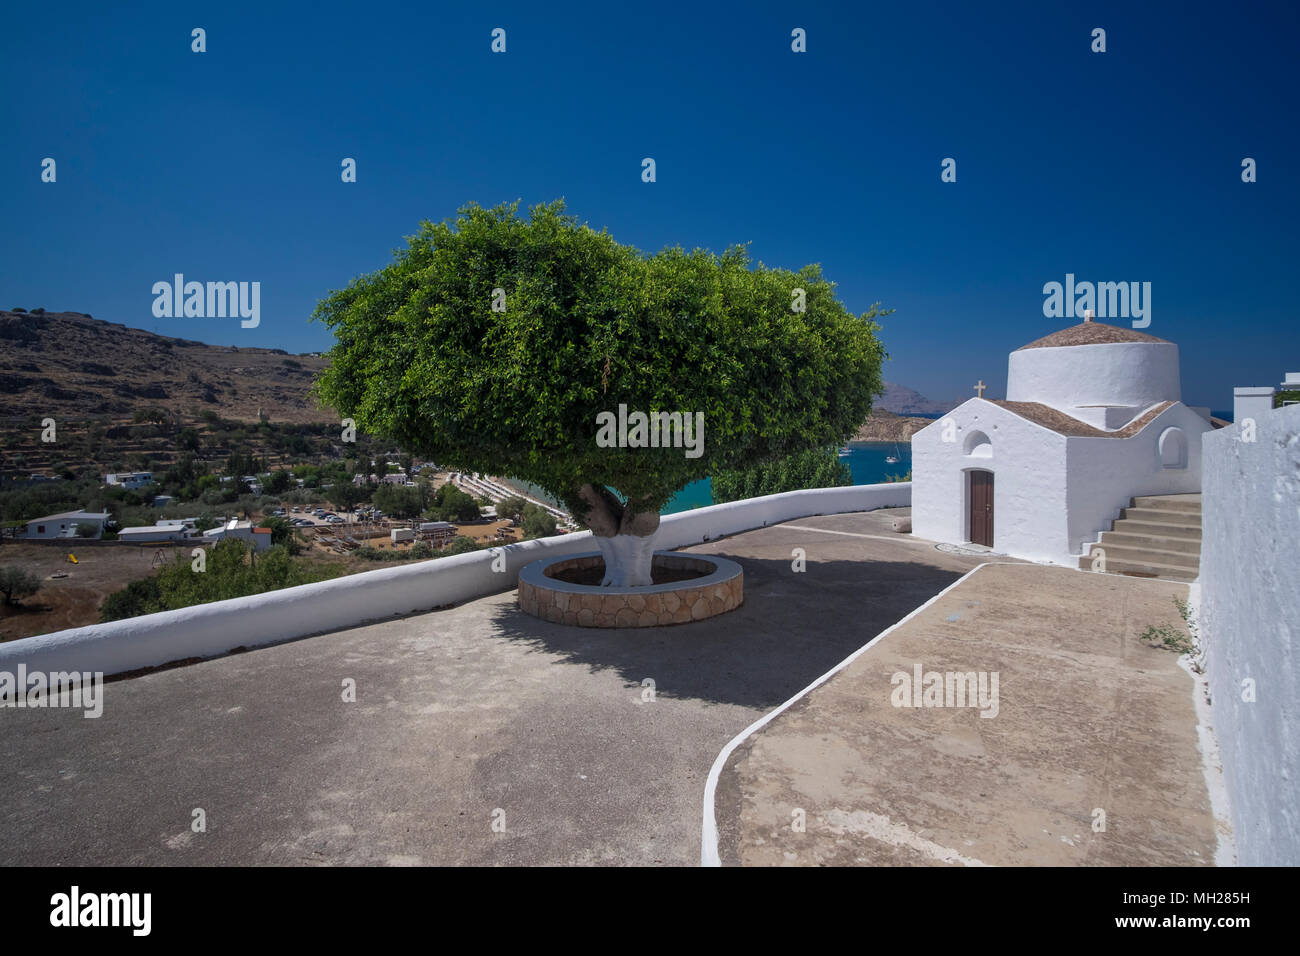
209,630
1118,373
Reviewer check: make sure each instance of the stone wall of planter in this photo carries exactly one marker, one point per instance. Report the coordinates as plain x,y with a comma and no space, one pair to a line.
719,591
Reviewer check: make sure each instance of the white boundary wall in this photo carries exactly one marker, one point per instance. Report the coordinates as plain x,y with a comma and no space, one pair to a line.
1250,624
210,630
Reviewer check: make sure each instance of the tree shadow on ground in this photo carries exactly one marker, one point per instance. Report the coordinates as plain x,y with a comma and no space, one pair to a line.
791,629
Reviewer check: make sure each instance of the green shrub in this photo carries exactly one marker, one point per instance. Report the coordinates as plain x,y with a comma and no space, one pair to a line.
17,583
815,468
230,572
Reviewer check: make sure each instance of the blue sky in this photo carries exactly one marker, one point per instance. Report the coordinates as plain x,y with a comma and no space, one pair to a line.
1122,166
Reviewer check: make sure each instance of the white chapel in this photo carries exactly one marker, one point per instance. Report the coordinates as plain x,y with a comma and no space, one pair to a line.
1093,417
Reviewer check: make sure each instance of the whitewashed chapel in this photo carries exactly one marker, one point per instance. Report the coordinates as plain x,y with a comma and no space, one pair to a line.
1093,417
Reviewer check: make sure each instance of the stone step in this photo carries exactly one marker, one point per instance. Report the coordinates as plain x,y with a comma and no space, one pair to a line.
1122,537
1144,555
1158,529
1155,515
1142,569
1187,503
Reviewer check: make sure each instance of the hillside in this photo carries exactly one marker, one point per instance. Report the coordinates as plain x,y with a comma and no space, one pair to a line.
69,366
883,425
902,400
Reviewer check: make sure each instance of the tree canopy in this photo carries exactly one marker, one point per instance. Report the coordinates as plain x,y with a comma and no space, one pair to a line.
582,324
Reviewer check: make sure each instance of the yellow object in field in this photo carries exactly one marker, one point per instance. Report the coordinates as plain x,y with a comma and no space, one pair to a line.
72,558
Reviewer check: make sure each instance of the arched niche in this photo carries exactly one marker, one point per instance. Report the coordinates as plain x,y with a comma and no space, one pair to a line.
1173,448
977,445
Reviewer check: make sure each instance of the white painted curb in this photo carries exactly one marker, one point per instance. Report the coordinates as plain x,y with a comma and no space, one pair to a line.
709,831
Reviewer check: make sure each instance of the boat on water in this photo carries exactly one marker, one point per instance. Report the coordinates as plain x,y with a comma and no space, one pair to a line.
844,452
895,457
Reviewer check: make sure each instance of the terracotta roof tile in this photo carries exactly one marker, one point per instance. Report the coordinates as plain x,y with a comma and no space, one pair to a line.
1090,333
1063,424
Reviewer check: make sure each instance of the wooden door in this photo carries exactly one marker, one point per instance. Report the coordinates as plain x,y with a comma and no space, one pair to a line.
981,508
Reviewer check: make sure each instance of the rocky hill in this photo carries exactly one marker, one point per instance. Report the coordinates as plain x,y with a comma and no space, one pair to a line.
69,366
882,425
902,400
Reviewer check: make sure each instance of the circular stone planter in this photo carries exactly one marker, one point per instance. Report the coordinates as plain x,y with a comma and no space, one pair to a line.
721,589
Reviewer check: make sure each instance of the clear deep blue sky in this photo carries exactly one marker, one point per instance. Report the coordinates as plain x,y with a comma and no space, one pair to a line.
1122,166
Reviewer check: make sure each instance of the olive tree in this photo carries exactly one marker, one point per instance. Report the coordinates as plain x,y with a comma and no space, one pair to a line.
509,346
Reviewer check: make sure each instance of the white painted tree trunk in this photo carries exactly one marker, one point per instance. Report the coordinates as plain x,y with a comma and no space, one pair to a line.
625,537
628,559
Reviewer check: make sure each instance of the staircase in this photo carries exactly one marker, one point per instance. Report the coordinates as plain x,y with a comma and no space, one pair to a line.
1157,536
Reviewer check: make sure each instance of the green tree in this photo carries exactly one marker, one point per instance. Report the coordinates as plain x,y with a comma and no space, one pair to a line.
242,462
142,596
228,573
768,357
282,532
537,522
401,501
188,440
278,482
452,504
512,507
459,545
346,495
17,583
813,468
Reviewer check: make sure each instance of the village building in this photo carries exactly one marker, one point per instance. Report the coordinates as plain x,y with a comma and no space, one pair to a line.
65,524
259,538
129,480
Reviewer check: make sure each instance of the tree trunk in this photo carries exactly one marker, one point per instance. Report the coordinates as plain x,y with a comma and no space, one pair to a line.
624,536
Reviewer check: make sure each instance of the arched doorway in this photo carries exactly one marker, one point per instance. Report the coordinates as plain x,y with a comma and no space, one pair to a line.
981,507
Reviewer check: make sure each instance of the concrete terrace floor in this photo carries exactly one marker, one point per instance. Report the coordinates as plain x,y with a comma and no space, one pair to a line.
480,713
1088,717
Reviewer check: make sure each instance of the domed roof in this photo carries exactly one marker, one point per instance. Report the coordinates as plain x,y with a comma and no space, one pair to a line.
1091,333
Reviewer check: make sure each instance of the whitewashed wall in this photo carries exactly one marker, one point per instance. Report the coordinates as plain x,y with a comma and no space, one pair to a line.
1029,487
209,630
1118,373
1104,473
1250,622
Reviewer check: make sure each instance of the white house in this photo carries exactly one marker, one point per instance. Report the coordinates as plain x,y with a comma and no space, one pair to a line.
166,529
129,479
64,525
152,533
1093,417
259,538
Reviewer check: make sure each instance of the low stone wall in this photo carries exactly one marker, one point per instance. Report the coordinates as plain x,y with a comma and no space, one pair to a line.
721,589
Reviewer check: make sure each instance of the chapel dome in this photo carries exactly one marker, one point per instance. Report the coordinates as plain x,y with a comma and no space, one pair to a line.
1093,364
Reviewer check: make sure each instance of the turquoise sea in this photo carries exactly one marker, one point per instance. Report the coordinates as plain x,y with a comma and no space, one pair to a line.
866,460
